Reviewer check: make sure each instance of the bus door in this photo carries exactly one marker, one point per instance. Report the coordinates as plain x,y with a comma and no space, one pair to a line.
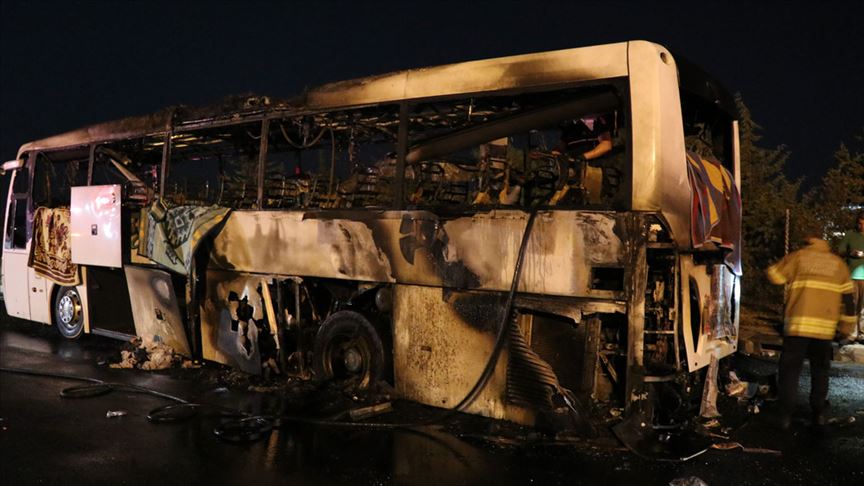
16,246
40,307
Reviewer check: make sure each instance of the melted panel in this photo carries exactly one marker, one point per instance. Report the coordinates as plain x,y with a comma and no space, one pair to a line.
419,247
714,300
155,309
439,351
233,320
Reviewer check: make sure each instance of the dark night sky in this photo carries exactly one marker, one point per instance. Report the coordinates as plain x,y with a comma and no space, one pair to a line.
70,64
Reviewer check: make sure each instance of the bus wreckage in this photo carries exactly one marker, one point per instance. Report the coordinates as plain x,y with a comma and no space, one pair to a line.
525,238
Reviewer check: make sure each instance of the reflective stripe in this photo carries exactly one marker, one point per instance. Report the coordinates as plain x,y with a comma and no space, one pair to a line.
848,318
815,335
775,276
811,327
819,321
811,321
819,285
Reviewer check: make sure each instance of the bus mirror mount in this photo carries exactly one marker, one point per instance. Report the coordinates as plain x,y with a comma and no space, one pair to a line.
11,165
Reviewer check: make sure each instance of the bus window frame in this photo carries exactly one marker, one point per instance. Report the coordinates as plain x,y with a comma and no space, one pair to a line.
618,86
11,237
38,167
173,131
15,198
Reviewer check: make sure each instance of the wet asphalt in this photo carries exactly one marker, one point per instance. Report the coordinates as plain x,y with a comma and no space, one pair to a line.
47,439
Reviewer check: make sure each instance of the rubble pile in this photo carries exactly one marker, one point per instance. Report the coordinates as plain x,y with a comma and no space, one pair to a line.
853,353
150,355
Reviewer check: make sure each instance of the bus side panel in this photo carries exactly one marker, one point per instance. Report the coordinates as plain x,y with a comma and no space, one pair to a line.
40,297
442,342
290,243
659,165
15,285
567,253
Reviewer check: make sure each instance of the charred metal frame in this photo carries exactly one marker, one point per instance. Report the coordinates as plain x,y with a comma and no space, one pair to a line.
401,154
166,156
426,259
262,161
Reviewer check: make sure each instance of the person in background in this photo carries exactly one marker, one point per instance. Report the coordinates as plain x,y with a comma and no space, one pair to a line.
820,295
851,247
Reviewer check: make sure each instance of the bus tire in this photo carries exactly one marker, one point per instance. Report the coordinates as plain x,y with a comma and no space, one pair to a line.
69,312
347,347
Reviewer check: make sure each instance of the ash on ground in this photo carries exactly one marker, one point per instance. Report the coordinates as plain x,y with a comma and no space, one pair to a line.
149,355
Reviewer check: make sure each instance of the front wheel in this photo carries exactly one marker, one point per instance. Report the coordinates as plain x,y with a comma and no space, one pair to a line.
69,312
347,347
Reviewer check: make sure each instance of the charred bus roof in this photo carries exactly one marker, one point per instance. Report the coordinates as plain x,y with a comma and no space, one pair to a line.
528,71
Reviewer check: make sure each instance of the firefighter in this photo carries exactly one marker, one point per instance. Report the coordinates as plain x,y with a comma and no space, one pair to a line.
852,247
820,295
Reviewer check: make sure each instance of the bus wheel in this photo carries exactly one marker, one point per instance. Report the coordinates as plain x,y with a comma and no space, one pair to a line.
68,312
347,347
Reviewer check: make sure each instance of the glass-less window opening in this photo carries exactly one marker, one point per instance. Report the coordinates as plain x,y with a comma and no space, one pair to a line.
55,175
132,163
562,149
16,224
340,159
214,166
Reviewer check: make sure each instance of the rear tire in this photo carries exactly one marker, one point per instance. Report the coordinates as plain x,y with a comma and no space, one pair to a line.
347,347
69,312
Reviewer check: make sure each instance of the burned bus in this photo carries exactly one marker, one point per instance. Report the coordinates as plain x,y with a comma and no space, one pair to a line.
520,238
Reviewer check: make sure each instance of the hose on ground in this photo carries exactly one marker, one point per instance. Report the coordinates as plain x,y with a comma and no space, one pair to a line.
241,426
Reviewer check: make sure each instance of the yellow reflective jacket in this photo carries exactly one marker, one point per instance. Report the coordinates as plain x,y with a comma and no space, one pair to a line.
820,291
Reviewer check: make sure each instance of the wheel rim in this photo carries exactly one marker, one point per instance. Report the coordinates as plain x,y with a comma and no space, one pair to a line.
349,358
69,310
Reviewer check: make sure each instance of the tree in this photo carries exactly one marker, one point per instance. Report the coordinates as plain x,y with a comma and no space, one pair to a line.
841,191
766,194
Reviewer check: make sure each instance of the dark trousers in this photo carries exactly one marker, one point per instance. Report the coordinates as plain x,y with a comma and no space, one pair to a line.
795,349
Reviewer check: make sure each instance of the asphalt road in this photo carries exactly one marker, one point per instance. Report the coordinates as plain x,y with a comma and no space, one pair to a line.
46,439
